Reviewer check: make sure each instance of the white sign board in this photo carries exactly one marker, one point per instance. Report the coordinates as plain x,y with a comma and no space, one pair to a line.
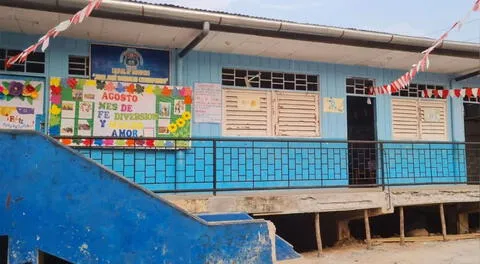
208,103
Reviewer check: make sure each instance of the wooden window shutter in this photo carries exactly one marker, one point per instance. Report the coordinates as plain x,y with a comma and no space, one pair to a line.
296,114
246,113
433,120
405,119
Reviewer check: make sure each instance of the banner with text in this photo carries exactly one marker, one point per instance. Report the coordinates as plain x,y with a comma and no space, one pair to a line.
128,64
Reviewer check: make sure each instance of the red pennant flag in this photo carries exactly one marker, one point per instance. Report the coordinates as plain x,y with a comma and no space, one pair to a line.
469,93
425,93
444,94
457,93
435,93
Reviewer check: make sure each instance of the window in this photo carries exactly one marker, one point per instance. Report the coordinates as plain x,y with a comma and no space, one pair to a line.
421,119
270,113
359,86
79,65
35,62
417,90
269,80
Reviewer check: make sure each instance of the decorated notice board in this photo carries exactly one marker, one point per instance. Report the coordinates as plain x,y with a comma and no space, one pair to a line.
20,102
93,108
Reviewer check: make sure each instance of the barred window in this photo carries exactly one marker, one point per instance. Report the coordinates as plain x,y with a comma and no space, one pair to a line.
269,80
35,62
359,86
79,65
415,90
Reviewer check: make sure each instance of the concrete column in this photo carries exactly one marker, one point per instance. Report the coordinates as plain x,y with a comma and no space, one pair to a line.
462,223
402,226
318,234
442,219
343,230
367,229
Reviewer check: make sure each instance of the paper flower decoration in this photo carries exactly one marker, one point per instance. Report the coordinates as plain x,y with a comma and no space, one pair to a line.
131,88
120,88
109,86
188,100
149,89
55,89
55,81
180,122
72,82
172,128
55,110
187,115
166,91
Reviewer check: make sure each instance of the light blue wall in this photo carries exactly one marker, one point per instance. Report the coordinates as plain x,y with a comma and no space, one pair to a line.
206,67
56,201
180,168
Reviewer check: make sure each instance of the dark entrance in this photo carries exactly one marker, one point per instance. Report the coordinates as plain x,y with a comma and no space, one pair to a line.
472,134
362,157
3,250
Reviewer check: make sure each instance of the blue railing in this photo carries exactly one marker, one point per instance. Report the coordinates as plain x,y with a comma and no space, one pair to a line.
229,164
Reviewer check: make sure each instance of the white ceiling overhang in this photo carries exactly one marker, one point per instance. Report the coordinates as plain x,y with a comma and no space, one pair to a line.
140,34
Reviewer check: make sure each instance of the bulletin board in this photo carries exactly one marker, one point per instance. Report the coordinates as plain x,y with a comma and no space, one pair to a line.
21,102
93,108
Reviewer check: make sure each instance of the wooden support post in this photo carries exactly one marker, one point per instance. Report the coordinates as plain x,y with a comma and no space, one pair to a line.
367,229
318,234
402,227
442,219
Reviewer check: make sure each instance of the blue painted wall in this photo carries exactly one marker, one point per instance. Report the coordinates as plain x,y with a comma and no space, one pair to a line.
193,170
56,201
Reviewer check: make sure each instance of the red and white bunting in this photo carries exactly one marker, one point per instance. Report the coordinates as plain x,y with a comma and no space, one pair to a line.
424,63
44,41
455,93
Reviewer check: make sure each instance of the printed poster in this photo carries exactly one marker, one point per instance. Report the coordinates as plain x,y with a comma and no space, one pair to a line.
333,105
208,103
22,118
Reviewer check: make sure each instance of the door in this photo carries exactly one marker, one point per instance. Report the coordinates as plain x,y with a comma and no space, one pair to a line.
362,157
472,134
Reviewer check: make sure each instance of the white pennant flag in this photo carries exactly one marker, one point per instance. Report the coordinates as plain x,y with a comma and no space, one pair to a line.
462,93
475,92
45,44
452,93
63,26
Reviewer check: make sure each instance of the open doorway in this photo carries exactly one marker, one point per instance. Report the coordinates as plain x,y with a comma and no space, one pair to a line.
3,250
472,134
362,157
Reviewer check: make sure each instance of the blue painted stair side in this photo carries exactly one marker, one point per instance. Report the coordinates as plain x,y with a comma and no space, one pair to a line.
283,249
57,201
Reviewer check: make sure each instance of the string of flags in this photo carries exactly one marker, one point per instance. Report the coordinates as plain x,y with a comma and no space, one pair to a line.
455,93
424,63
44,41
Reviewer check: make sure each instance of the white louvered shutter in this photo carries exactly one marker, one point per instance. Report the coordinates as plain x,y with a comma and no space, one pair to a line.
405,119
433,120
241,120
296,114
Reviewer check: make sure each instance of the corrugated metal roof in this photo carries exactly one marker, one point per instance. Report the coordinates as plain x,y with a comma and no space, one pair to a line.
146,2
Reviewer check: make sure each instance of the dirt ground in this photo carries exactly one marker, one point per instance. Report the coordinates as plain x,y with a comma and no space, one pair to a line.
452,252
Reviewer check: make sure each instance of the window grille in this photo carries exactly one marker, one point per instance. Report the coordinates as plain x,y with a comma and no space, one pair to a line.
269,80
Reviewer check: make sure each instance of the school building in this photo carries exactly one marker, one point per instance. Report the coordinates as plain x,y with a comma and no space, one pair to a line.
224,113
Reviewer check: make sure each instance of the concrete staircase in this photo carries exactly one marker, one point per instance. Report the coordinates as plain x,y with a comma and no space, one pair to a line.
54,200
